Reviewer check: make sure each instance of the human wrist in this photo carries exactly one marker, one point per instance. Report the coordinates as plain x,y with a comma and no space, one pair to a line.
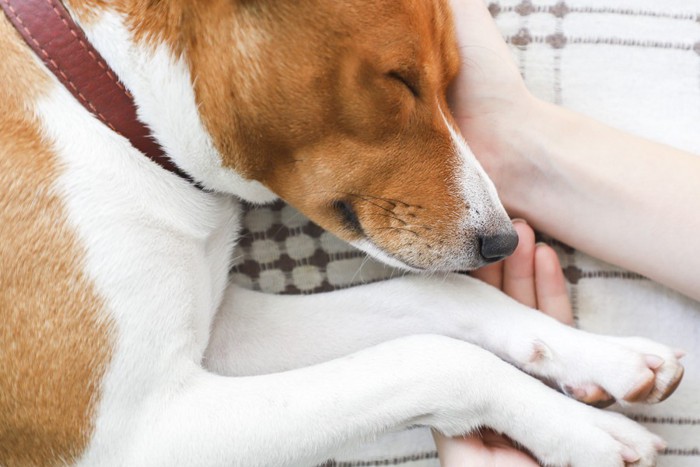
534,155
521,151
536,185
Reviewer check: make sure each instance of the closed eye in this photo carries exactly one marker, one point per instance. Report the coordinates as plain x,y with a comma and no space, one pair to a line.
397,76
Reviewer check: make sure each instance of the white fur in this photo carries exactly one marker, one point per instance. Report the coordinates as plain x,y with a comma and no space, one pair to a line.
370,248
132,217
157,250
486,213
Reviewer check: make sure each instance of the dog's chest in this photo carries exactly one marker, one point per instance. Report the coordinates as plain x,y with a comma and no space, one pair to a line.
159,258
157,249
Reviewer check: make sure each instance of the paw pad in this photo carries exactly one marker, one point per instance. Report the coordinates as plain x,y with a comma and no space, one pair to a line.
590,394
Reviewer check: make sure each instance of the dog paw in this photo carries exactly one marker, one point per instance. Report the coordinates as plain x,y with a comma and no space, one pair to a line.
556,429
627,370
614,440
603,439
663,370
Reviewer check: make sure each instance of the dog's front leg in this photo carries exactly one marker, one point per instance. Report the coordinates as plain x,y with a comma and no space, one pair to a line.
300,417
256,333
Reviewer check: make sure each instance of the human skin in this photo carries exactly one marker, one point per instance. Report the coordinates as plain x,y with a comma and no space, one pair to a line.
615,196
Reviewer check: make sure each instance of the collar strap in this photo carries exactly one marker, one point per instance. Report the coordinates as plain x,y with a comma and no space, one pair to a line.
49,30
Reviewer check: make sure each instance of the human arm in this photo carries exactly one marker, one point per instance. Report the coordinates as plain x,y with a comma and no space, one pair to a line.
624,199
621,198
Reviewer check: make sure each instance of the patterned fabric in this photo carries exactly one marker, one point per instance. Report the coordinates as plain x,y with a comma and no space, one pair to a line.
281,251
634,64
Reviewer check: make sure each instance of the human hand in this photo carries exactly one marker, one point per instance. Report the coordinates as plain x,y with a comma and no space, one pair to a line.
533,276
489,80
489,99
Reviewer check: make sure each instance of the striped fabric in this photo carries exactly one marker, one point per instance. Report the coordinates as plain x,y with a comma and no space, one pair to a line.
634,64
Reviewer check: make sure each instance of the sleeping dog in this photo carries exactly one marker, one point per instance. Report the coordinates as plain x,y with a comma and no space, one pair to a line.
122,342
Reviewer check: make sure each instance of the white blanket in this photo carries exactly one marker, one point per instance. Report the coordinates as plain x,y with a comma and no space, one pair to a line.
634,64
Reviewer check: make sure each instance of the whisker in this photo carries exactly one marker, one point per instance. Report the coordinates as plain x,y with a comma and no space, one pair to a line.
399,228
362,264
368,199
236,258
389,201
444,277
372,203
389,216
405,223
282,226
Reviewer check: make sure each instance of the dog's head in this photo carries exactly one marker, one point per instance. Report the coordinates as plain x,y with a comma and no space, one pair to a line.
340,108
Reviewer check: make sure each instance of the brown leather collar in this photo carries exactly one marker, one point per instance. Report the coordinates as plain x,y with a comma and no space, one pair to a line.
49,30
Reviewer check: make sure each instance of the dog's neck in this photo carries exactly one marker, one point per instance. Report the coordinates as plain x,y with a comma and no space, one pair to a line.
161,82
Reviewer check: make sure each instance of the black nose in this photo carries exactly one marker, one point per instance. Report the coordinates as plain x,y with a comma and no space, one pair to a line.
496,247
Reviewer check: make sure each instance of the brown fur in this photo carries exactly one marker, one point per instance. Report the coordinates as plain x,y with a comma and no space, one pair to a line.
298,95
53,346
324,122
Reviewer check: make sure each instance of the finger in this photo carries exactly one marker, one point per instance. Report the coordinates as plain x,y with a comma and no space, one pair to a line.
491,274
493,450
454,452
519,268
550,285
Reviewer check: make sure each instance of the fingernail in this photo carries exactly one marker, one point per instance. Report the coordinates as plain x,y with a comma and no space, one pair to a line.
518,220
680,353
629,454
654,362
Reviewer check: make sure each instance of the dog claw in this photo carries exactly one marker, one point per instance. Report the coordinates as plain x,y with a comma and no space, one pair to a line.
642,391
680,353
660,396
